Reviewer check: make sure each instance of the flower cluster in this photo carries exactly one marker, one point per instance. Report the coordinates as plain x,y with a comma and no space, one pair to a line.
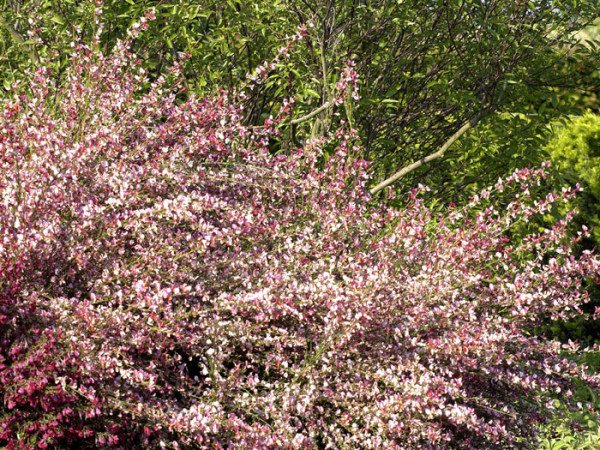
165,281
261,73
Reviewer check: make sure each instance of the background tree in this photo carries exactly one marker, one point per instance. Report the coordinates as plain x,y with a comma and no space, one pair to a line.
426,68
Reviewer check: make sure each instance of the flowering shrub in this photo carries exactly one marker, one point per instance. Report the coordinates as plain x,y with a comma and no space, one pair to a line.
165,281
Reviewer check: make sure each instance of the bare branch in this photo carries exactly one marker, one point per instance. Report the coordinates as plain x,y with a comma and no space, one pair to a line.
470,124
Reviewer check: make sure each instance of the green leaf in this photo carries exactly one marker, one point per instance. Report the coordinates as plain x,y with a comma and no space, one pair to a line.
312,92
57,19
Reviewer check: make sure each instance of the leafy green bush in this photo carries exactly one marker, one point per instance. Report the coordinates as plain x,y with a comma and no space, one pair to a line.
575,150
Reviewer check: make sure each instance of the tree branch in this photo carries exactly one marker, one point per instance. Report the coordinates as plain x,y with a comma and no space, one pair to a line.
312,114
470,124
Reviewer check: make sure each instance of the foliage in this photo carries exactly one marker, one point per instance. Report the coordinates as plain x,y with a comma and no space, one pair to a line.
426,66
591,32
165,280
575,151
223,40
589,99
575,148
